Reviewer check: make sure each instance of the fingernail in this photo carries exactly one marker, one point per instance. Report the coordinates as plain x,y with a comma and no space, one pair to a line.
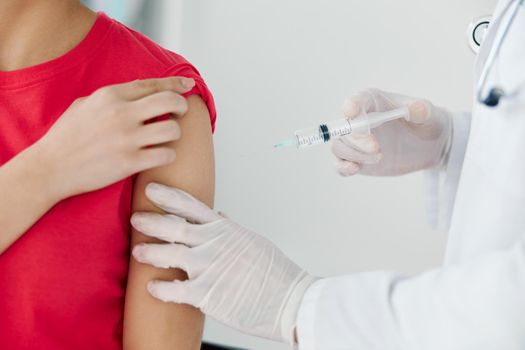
138,252
151,288
135,220
352,169
172,156
418,111
350,108
153,189
188,83
348,169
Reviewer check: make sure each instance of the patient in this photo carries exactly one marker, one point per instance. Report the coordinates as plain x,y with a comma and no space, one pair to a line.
65,277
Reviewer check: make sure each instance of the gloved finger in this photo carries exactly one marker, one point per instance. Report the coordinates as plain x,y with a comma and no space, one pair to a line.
345,152
419,111
368,100
169,228
179,292
346,168
163,255
428,121
359,103
223,214
364,143
180,203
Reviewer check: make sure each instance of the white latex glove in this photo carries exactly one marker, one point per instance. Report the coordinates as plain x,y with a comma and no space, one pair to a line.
397,147
235,276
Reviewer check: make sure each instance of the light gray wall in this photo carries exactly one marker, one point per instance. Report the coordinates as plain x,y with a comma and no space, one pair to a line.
278,65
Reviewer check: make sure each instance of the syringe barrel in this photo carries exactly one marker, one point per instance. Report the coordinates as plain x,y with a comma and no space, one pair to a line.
323,133
361,124
364,123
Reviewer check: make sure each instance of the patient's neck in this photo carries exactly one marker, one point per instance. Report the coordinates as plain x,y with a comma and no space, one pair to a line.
36,31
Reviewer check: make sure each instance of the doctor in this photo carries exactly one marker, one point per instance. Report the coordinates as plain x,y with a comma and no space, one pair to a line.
475,301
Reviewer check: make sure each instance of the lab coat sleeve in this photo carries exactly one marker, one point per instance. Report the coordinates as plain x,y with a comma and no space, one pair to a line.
442,184
476,305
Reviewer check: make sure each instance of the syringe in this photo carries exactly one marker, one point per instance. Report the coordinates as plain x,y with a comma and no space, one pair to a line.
346,126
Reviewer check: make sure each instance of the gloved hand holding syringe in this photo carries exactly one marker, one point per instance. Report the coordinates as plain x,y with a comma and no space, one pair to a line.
345,126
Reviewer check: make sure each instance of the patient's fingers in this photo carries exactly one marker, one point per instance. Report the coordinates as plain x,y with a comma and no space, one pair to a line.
138,89
181,204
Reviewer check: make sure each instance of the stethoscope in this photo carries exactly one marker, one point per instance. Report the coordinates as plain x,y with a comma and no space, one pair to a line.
477,33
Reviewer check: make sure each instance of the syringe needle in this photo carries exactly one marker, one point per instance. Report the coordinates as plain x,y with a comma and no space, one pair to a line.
287,143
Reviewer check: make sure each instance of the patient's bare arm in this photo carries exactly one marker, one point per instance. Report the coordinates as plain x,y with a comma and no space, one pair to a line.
149,323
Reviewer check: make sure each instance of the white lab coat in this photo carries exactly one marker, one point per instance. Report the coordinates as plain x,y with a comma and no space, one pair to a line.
477,299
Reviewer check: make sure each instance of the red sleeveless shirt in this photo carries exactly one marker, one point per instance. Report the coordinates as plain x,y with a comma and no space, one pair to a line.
62,284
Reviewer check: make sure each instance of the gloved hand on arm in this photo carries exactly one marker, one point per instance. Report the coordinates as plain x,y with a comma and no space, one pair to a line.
397,147
235,276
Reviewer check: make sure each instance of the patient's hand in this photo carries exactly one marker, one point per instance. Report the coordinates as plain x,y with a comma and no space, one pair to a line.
102,138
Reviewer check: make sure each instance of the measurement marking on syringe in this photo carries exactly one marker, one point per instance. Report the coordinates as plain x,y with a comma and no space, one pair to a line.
326,132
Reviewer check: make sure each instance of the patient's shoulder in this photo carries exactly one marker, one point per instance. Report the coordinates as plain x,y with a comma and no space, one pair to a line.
131,44
141,57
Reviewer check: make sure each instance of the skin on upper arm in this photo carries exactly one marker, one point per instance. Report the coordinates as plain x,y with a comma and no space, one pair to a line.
149,323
